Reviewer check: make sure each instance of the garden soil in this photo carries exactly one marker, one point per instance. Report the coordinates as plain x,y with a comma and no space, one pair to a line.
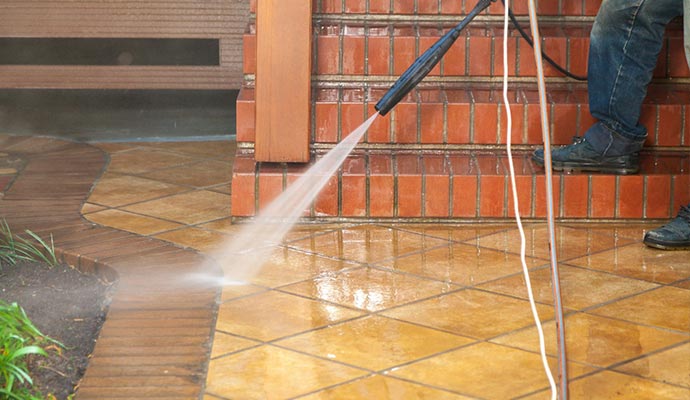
66,305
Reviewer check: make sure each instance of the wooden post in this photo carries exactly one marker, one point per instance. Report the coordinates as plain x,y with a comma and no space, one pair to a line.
283,80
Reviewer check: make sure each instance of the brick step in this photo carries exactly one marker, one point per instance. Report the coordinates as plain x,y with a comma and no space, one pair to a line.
420,185
384,51
474,115
447,7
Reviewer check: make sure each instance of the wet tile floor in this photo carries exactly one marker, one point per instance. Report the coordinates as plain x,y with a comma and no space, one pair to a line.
409,311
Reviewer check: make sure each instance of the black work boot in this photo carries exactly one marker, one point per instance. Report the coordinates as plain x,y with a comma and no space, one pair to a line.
673,236
600,150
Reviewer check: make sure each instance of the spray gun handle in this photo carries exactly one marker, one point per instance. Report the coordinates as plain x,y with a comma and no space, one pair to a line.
426,62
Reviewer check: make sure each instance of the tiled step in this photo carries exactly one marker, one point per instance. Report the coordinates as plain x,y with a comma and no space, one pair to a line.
419,185
385,50
474,115
447,7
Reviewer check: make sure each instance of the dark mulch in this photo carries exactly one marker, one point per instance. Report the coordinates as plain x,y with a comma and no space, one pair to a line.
66,305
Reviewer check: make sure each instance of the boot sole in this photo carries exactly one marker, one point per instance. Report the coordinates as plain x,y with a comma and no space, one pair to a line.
580,167
667,245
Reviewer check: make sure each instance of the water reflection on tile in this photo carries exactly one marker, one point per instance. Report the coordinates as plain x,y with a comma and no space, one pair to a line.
571,242
596,340
189,208
471,313
367,243
670,366
374,342
579,288
269,372
369,289
224,343
271,315
640,262
381,387
461,264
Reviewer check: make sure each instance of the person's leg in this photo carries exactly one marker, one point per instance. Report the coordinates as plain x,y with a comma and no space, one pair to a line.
673,236
625,43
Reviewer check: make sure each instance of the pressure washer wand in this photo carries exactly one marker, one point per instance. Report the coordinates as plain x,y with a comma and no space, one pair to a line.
426,62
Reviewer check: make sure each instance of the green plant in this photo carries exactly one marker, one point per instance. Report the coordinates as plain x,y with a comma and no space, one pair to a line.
14,248
19,338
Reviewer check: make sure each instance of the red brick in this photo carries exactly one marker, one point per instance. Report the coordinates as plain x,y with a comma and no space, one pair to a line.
603,196
573,7
540,210
431,117
458,117
326,122
454,60
427,7
517,111
245,116
630,191
451,7
681,191
480,55
591,7
270,185
352,116
678,66
405,127
326,203
249,54
328,58
465,196
564,122
498,54
403,7
547,7
379,132
436,187
403,53
492,188
243,189
353,55
658,196
485,123
379,6
579,54
409,186
379,55
524,190
670,122
331,6
355,6
575,196
556,48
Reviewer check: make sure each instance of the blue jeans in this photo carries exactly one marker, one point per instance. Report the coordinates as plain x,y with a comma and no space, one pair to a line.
625,43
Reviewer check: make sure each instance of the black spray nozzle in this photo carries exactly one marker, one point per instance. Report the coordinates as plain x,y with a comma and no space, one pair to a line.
425,63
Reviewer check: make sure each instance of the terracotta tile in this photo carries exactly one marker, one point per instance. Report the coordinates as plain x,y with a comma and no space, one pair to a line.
331,6
225,344
199,239
454,60
115,190
269,372
677,67
630,202
639,262
470,313
249,53
354,194
131,222
681,191
524,190
380,130
548,8
381,192
454,232
571,243
436,196
188,208
579,54
465,196
670,366
270,186
272,315
243,195
379,55
472,370
565,121
409,197
374,342
526,65
595,340
88,208
591,7
498,53
139,161
245,111
383,387
451,7
614,385
666,307
202,174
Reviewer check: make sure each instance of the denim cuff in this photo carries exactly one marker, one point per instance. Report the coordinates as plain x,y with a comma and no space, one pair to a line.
606,141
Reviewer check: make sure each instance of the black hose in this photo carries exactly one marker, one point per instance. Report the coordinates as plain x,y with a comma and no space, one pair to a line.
546,57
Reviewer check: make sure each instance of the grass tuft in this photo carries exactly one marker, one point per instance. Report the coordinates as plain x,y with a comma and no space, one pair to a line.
14,248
